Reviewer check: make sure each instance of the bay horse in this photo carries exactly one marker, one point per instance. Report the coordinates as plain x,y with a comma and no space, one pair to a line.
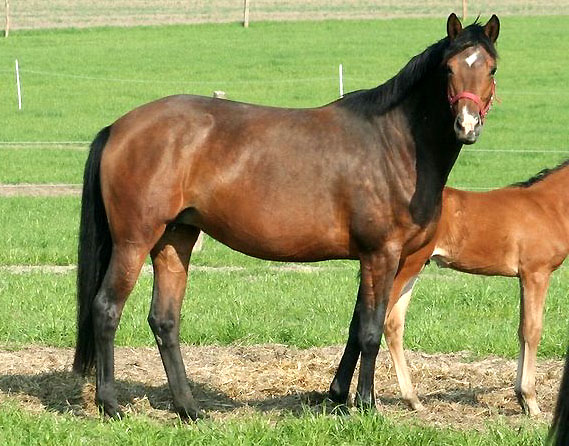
360,178
522,231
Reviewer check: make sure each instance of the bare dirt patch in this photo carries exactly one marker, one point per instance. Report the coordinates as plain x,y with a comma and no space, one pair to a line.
39,190
32,14
274,380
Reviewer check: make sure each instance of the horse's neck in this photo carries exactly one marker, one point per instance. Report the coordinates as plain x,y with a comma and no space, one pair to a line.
434,147
433,129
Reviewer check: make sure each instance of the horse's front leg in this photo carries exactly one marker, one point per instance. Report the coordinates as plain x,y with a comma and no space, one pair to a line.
340,387
377,274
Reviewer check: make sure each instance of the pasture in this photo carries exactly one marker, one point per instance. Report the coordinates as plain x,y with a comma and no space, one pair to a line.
76,81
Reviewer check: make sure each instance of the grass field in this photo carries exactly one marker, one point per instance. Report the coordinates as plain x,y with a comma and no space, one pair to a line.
77,81
247,307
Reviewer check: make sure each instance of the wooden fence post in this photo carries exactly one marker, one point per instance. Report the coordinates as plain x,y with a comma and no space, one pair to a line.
246,14
464,8
7,29
199,242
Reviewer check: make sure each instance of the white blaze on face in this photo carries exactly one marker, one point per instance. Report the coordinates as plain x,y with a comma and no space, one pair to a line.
472,58
468,121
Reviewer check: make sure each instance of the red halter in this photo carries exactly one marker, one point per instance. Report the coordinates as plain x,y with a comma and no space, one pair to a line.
476,99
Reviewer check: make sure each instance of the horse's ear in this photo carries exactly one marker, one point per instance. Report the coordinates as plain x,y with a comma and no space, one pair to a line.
492,28
454,27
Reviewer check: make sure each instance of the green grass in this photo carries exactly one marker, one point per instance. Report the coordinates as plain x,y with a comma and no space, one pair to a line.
41,165
76,81
19,428
39,231
261,305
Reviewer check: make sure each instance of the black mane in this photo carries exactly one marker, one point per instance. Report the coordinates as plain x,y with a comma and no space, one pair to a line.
540,176
383,98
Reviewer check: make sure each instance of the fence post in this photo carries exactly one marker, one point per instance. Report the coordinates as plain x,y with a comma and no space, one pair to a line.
7,29
18,85
464,8
199,242
341,80
246,14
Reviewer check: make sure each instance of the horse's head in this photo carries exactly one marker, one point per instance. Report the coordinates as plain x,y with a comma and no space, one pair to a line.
471,64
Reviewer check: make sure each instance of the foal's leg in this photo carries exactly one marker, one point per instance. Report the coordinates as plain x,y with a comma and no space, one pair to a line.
170,258
340,387
124,268
394,328
378,271
533,291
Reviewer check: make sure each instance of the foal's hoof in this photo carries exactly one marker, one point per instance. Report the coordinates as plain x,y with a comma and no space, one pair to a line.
415,404
529,407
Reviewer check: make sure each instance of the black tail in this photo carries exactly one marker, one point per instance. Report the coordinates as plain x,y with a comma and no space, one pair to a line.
94,253
559,433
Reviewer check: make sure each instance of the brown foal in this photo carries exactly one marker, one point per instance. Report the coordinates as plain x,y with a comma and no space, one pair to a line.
517,231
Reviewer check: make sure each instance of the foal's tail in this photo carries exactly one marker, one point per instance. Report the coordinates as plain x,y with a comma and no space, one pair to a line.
559,433
94,253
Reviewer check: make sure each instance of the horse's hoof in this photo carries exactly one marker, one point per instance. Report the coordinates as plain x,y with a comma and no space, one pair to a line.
111,411
365,406
341,410
337,397
188,415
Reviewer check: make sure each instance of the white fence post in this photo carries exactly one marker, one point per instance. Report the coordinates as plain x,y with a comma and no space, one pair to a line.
7,29
18,85
246,14
341,74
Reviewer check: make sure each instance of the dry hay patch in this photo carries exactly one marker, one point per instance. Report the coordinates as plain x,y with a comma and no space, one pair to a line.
235,381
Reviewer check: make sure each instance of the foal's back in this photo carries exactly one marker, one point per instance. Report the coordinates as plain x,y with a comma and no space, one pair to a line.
501,232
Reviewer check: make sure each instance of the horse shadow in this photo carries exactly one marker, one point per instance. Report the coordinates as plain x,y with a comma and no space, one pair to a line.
66,392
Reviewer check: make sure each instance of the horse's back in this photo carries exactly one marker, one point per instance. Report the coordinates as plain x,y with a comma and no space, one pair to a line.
237,171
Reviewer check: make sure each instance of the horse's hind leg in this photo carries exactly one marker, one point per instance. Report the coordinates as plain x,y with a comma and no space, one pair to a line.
122,273
170,258
533,291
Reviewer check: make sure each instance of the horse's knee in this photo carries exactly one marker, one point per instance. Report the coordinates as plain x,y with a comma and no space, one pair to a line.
370,338
164,328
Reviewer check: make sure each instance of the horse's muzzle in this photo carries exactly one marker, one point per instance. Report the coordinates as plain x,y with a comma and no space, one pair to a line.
467,127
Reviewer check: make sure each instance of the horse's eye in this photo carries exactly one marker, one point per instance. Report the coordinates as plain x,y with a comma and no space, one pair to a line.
493,71
448,70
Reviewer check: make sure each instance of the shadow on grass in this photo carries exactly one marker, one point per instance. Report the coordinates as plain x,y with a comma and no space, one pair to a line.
66,392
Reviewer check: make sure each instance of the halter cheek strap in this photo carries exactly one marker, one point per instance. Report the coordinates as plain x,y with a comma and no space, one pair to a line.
484,108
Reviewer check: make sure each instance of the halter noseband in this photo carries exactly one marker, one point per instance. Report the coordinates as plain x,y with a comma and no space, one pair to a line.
476,99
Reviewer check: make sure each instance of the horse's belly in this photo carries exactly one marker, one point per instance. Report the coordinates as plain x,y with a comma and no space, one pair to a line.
274,237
